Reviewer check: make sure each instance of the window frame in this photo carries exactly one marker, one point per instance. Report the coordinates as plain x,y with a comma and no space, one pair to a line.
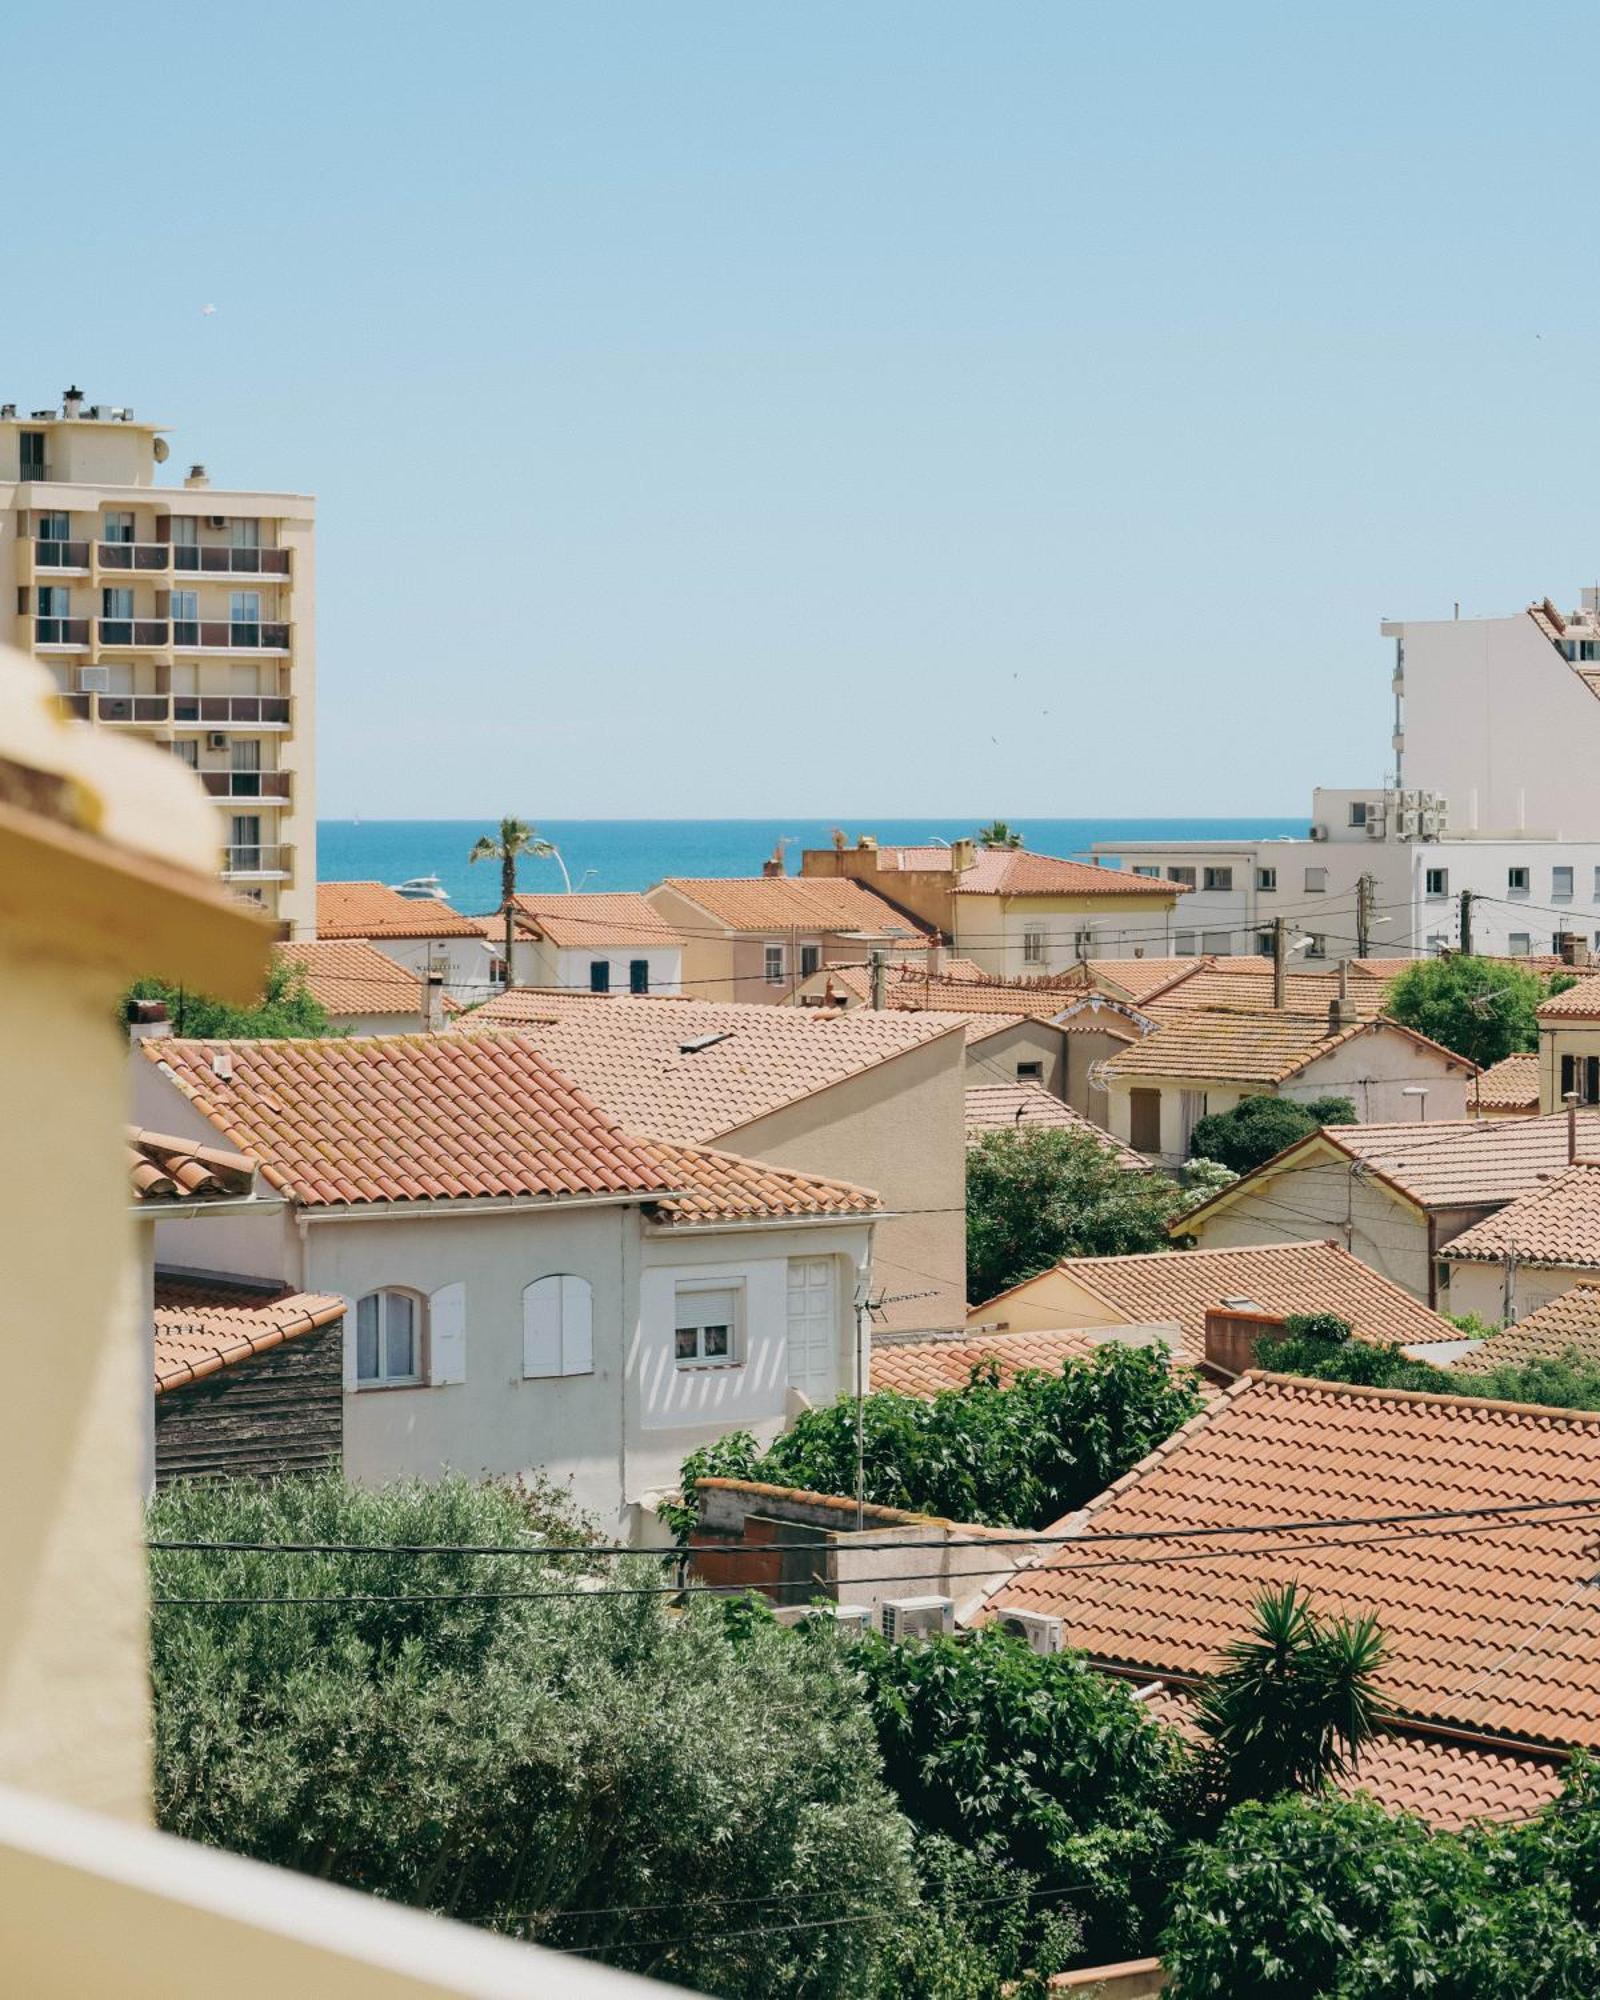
1514,949
1436,884
599,975
1033,945
638,975
1266,881
418,1303
1030,1072
1218,880
1513,886
1360,812
1181,877
810,960
700,1361
1558,894
1320,886
774,963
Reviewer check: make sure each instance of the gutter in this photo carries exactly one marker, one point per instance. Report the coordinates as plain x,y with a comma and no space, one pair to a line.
235,1204
471,1205
762,1223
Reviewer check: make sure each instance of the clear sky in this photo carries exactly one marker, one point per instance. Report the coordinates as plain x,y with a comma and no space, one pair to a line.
724,407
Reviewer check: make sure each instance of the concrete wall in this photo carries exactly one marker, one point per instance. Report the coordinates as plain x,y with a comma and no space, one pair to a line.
1321,1200
463,960
992,930
540,963
1375,1070
1500,1297
900,1129
1579,1039
995,1059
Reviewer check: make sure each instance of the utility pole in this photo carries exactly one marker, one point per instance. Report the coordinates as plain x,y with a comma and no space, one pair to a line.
1280,965
1364,887
863,1307
880,963
1466,923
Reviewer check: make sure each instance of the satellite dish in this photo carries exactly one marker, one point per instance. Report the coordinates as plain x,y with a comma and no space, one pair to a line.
1098,1076
162,450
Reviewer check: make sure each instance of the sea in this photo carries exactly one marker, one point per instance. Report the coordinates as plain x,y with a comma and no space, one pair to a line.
635,853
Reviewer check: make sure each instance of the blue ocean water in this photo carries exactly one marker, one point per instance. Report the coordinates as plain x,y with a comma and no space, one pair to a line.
634,853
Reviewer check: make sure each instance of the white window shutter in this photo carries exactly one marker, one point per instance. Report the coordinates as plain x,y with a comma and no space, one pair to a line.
577,1327
447,1334
541,1327
348,1335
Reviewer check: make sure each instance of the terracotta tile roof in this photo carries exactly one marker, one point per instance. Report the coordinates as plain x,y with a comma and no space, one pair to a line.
1012,871
1577,1003
1495,1630
1573,1320
350,976
723,1187
774,903
913,992
639,1056
983,1027
1004,1107
1277,1278
1133,979
161,1168
369,910
1227,987
924,1367
613,917
1237,1047
1449,1784
203,1325
1510,1085
1557,1224
409,1118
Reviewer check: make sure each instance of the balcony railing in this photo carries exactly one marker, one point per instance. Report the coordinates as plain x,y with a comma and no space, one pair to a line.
145,709
232,562
61,631
222,636
61,555
269,785
140,632
133,555
256,858
258,710
76,705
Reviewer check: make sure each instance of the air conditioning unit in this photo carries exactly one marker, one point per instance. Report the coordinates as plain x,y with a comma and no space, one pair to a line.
917,1617
94,680
216,520
1377,829
1319,832
1431,828
853,1620
217,740
1042,1634
1408,826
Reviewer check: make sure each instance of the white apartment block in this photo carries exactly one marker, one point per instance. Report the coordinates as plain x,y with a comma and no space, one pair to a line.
179,612
1529,892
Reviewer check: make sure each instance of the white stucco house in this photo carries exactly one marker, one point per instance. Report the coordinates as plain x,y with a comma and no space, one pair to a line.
607,942
422,936
529,1288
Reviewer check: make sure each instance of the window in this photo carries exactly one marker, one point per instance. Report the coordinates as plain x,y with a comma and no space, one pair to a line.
1436,882
707,1330
185,606
1033,947
1517,881
1183,944
1266,880
1358,812
244,617
55,601
599,975
558,1326
187,751
1519,944
1151,874
812,1326
1561,883
638,975
244,535
810,959
1264,944
185,532
52,527
1318,947
772,964
31,446
1215,943
1588,649
1184,877
244,850
1580,1075
1030,1072
116,603
1316,881
388,1340
116,526
1218,878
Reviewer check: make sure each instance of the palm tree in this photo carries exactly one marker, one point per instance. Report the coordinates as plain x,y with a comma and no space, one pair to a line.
998,833
1295,1704
515,839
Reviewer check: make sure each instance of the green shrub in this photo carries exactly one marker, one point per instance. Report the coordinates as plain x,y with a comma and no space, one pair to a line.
1257,1129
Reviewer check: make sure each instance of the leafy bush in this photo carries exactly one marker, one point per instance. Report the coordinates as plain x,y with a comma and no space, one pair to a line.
1258,1128
1019,1456
526,1764
1307,1898
1482,1008
986,1926
1037,1195
1322,1346
286,1008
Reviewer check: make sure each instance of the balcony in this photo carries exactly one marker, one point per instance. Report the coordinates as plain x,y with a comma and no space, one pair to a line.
232,562
133,555
60,555
257,711
270,787
257,861
61,632
142,710
206,635
136,634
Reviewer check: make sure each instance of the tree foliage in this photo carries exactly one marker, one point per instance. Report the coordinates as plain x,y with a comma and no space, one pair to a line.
999,833
1482,1008
1018,1456
1037,1195
1323,1347
1258,1128
286,1007
1330,1898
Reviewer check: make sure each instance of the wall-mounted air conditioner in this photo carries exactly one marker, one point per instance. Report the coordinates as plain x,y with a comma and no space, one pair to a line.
1377,829
217,740
94,680
216,520
917,1617
853,1620
1042,1633
1319,832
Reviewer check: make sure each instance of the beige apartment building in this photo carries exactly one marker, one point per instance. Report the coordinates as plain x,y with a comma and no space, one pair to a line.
181,613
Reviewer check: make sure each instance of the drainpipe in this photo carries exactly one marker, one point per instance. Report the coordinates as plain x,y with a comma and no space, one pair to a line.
433,1002
879,972
1571,1102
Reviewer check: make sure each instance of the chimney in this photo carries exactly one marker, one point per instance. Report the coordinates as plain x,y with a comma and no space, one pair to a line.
198,476
963,855
433,1003
1232,1331
774,865
840,842
72,402
147,1020
1571,1102
1342,1012
935,956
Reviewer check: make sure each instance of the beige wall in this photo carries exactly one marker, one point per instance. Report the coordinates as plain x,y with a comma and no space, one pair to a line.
992,930
1323,1199
1051,1300
995,1058
1566,1038
1374,1071
900,1129
1486,1289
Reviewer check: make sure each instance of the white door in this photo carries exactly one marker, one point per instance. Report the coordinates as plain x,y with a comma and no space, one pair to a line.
813,1327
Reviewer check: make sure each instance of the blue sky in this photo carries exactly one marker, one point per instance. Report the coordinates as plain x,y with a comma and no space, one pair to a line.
739,408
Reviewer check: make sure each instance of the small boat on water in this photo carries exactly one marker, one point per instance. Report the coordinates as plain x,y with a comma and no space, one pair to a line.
422,889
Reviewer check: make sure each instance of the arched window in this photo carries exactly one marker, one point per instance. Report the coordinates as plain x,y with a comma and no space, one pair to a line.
389,1334
558,1326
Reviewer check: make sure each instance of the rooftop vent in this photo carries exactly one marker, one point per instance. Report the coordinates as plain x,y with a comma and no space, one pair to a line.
8,409
693,1048
71,402
222,1065
198,476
